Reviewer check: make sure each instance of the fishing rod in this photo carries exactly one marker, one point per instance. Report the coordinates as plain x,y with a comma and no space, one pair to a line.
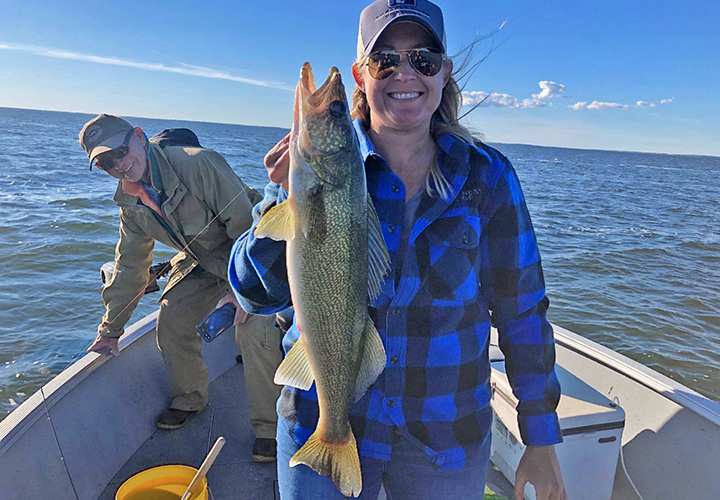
161,271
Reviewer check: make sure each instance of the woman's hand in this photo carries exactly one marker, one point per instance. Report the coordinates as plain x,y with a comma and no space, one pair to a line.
539,466
277,162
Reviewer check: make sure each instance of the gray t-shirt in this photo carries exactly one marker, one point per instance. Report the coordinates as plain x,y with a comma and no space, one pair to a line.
409,218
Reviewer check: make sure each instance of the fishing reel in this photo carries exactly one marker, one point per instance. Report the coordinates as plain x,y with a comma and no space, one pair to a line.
159,270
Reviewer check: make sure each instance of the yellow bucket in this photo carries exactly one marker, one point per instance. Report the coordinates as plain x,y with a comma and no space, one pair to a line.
168,482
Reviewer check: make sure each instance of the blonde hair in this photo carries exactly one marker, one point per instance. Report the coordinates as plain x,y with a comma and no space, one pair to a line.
445,120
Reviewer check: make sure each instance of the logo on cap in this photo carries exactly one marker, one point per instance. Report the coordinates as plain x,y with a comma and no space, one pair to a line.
92,132
393,3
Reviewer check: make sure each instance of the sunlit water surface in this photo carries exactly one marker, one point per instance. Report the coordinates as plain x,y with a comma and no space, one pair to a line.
630,245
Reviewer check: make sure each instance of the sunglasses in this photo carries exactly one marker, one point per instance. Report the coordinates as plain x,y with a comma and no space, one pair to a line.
384,63
106,161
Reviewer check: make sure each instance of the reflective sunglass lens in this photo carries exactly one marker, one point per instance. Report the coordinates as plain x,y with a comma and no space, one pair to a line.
103,162
119,152
383,64
426,62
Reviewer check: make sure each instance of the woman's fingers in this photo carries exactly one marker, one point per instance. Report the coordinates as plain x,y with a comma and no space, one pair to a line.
277,162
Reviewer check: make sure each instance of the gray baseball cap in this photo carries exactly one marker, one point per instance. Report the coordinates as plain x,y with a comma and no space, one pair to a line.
103,133
377,16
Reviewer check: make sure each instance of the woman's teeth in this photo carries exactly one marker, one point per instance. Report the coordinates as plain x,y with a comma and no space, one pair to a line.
409,95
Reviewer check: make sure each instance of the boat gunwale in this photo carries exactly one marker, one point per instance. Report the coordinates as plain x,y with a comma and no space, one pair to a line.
20,420
653,380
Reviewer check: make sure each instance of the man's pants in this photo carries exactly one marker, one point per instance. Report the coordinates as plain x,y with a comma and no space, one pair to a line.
259,342
181,309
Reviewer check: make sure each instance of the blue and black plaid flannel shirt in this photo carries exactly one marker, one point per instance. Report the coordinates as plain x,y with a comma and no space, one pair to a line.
467,257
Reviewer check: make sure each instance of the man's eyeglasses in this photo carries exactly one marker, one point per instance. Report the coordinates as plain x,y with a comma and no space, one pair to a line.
384,63
106,160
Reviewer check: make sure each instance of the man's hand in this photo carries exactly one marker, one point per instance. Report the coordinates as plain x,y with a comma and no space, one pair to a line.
102,344
539,466
277,162
240,315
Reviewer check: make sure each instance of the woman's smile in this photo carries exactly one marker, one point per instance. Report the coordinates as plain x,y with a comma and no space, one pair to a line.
404,95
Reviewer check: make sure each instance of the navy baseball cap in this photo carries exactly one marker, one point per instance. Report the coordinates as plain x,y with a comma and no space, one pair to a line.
377,16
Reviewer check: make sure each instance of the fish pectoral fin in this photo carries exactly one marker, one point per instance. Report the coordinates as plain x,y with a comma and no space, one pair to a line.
278,223
339,460
373,360
295,369
378,256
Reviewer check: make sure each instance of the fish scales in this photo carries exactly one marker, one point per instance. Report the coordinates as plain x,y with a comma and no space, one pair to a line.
329,222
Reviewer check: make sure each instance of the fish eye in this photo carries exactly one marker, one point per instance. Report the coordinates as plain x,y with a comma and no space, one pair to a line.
337,109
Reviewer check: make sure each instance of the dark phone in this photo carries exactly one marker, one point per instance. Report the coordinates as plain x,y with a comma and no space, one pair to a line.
216,322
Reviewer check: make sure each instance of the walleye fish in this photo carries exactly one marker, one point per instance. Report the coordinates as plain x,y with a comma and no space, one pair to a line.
336,262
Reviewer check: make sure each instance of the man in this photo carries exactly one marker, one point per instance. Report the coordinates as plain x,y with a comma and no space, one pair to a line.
189,199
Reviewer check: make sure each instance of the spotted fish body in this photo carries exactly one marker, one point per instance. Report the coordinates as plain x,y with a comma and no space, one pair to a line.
336,260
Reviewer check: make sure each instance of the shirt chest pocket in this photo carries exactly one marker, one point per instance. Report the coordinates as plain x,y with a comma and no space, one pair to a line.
192,217
453,244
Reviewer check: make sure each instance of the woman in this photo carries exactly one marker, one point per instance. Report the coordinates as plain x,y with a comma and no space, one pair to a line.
463,254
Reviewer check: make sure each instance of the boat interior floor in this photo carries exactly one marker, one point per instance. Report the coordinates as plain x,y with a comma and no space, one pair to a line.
234,475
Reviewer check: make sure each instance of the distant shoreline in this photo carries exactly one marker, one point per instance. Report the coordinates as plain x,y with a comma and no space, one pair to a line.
90,115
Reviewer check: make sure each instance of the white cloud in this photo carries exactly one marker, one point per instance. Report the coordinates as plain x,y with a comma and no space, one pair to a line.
532,103
485,100
549,90
614,105
597,105
606,105
186,70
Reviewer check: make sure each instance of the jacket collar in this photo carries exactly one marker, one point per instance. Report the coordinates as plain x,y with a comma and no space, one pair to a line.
162,178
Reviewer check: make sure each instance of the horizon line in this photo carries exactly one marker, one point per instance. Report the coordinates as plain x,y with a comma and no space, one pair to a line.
288,129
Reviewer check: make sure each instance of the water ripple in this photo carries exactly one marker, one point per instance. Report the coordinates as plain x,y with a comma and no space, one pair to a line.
630,245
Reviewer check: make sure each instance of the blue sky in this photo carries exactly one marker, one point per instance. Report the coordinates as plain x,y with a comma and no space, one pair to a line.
623,75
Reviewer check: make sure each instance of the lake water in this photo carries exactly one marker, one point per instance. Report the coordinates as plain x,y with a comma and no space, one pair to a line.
630,245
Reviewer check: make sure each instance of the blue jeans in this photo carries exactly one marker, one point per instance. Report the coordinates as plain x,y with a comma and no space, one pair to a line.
409,474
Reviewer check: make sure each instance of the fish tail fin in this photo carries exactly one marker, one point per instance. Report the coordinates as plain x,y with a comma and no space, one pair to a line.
340,461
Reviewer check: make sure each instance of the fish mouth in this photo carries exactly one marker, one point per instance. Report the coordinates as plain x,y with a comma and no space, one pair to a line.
313,105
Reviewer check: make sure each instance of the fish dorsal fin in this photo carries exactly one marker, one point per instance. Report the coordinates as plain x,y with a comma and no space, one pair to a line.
295,369
278,223
373,360
378,257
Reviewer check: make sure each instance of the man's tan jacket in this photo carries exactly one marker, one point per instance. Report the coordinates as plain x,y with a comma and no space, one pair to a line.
199,185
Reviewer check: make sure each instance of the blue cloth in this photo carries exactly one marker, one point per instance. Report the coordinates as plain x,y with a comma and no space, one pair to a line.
408,475
152,192
471,260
